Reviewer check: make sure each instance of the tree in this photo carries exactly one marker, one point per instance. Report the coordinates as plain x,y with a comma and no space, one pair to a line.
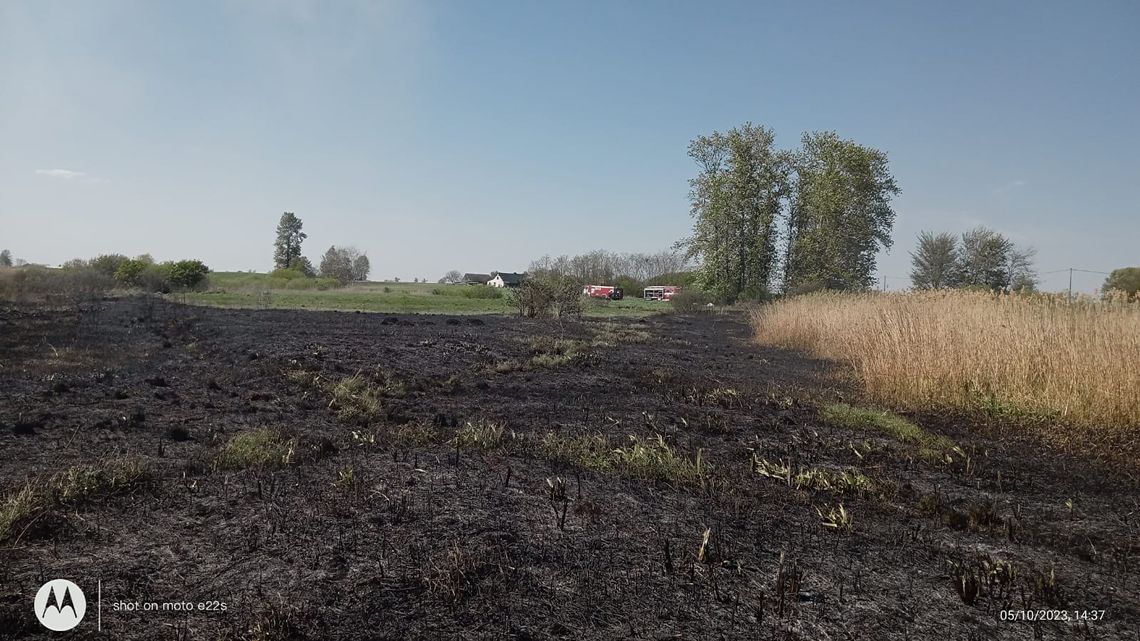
187,274
287,247
736,199
360,267
337,264
305,266
452,277
5,258
840,213
1125,279
935,261
1022,273
107,264
985,259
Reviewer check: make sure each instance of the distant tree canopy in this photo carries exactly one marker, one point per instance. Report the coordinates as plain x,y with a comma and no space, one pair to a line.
360,267
287,247
934,261
600,267
981,258
832,195
345,264
452,277
5,258
1125,279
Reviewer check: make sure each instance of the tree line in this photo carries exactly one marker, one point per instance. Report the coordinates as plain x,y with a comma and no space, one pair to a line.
980,258
809,218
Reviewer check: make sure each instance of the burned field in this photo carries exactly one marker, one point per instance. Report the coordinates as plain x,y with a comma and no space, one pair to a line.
347,476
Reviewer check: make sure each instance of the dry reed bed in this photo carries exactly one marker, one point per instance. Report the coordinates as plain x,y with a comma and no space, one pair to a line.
1077,363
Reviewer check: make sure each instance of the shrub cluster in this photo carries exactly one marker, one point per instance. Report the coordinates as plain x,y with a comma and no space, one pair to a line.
143,273
546,296
690,300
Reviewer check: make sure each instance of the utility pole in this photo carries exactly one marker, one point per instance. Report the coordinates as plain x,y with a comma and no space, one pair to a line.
1070,284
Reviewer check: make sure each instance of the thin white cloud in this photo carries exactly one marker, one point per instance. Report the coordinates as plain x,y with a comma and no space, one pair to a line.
1010,186
69,174
66,174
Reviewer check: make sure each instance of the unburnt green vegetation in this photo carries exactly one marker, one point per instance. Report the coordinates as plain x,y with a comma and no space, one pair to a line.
248,290
257,449
68,489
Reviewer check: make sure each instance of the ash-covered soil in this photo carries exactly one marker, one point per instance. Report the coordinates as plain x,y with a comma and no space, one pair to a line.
487,477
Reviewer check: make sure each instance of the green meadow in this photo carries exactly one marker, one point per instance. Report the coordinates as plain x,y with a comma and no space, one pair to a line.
260,291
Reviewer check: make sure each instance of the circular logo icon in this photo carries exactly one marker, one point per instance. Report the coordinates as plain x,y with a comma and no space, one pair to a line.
60,605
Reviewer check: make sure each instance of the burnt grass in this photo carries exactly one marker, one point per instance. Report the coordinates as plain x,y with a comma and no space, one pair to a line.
377,523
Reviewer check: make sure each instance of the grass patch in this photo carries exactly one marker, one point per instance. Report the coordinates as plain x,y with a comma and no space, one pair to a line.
468,291
815,478
19,509
611,334
655,459
355,399
930,445
650,459
75,486
259,449
85,482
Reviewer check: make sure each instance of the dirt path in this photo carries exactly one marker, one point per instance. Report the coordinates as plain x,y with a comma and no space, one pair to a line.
374,523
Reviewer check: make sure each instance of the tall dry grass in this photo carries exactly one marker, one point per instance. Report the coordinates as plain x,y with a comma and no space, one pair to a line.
1039,355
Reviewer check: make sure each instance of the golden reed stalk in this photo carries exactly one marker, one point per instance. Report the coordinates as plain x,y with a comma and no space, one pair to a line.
1039,354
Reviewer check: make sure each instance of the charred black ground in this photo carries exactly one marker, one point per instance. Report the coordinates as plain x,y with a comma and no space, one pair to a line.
348,476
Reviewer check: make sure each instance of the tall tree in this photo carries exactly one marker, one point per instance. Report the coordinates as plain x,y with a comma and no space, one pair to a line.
361,267
736,199
840,213
337,264
287,247
1022,272
984,259
934,262
5,258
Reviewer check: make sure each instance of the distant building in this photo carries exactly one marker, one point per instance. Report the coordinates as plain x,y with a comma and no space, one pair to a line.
507,279
476,279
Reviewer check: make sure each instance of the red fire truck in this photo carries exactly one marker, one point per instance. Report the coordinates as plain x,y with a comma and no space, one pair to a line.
604,291
661,292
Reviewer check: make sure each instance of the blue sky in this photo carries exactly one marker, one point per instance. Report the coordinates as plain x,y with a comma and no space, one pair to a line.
480,135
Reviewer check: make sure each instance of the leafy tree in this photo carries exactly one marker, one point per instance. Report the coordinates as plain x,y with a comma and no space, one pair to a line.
1022,273
337,264
129,273
5,258
1125,279
935,261
107,264
360,267
287,247
187,274
736,199
985,259
840,213
452,277
305,266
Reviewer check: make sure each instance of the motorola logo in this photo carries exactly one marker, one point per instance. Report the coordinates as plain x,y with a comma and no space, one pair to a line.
60,605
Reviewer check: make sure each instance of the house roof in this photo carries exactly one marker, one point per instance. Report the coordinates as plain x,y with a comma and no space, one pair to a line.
476,278
511,278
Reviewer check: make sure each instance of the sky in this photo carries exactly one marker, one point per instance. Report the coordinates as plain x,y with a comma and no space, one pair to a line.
476,136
